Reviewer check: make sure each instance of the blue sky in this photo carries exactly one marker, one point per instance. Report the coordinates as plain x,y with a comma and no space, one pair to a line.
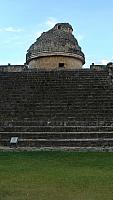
22,21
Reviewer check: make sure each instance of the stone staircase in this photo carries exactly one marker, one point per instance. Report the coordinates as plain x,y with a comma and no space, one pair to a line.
57,109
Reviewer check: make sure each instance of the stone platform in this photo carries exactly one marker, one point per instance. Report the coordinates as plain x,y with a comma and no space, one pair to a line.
67,109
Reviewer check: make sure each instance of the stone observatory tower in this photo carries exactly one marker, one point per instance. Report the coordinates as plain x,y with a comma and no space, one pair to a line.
56,49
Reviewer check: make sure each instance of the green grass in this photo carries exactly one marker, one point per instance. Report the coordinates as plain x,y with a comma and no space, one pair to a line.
56,176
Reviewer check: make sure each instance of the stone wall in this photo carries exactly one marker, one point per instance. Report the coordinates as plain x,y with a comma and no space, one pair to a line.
55,62
98,67
11,68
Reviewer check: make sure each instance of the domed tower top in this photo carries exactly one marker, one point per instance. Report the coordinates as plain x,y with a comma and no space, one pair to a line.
64,26
54,48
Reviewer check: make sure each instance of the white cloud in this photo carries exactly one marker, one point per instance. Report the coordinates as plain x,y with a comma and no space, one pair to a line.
38,33
48,24
80,37
51,22
11,29
104,61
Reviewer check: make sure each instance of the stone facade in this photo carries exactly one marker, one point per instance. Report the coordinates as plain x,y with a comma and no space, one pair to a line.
56,62
56,48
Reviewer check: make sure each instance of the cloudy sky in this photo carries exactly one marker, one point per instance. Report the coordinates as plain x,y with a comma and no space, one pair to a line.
22,21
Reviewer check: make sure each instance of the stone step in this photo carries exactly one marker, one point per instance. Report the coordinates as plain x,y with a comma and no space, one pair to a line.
64,139
57,128
105,142
57,99
56,135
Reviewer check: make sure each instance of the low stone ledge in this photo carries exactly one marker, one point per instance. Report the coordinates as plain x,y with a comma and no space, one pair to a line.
75,149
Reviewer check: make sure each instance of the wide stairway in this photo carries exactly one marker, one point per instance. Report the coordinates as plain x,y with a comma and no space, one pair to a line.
57,109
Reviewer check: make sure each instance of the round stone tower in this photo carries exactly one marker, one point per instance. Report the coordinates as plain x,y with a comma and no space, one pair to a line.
56,49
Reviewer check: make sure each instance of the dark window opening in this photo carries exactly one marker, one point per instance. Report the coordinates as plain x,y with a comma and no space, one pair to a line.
61,65
59,26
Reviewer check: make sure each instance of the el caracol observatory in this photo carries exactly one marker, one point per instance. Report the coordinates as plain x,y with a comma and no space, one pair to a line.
56,49
51,102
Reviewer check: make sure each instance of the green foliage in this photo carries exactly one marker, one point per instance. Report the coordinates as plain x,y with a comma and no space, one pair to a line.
56,176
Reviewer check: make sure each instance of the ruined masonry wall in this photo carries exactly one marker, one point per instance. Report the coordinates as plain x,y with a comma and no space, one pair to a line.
52,62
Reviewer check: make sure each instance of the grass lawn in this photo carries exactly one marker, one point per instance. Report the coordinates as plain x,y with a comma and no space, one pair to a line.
56,176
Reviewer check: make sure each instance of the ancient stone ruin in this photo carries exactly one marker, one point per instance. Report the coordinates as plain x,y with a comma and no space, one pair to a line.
51,102
56,48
